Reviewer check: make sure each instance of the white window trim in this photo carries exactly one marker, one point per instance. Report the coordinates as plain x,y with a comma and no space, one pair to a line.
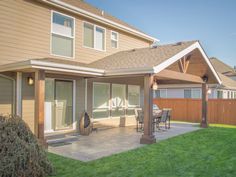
134,106
94,34
116,40
123,85
51,33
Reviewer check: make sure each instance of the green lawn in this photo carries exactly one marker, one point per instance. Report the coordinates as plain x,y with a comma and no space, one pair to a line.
205,153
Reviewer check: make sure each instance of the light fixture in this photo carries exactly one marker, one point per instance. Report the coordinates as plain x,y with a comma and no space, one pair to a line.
154,85
209,91
205,78
30,80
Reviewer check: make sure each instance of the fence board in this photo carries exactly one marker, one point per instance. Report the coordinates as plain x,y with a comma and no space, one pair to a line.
220,111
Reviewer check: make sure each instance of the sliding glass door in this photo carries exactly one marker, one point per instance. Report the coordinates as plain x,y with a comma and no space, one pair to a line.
58,104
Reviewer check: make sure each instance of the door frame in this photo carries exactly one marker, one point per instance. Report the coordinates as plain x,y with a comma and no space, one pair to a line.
73,102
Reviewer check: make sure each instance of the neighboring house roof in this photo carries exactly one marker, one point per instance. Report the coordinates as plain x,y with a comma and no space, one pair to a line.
143,57
82,8
222,67
227,83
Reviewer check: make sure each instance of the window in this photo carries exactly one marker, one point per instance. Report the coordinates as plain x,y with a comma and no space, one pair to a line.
163,93
133,96
160,93
94,36
114,39
101,97
219,94
118,100
62,42
196,93
187,93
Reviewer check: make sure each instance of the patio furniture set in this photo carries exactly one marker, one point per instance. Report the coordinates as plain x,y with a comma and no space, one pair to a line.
160,118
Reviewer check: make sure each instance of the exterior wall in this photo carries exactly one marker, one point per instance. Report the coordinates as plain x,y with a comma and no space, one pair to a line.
6,95
130,120
28,102
233,77
25,34
177,91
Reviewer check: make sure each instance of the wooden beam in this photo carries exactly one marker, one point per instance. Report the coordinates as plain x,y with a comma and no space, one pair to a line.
179,76
39,105
204,122
148,137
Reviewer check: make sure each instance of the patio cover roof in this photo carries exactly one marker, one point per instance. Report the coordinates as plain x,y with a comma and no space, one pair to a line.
137,61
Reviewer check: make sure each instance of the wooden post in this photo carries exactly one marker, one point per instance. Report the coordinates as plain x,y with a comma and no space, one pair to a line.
204,123
148,137
39,105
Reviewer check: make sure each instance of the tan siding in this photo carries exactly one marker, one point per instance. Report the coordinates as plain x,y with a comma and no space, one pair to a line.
28,103
25,34
6,95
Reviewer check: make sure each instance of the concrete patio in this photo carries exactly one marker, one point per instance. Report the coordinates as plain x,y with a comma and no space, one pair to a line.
112,141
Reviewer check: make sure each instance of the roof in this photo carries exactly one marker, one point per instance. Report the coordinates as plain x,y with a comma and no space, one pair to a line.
88,7
84,9
222,67
130,62
140,58
227,82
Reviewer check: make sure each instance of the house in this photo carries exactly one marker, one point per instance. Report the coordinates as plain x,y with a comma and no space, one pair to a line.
61,58
226,90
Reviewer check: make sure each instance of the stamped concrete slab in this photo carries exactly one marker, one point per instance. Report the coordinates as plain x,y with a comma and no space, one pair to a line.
112,141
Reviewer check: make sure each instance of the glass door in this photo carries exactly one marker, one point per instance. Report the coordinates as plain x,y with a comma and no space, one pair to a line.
118,100
63,104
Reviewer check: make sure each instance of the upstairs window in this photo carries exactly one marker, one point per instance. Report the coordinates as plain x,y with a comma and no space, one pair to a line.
114,39
94,36
62,43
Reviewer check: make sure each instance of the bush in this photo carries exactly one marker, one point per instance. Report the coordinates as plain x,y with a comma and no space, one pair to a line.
20,153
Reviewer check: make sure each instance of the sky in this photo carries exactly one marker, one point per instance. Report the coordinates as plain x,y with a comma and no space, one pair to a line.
213,22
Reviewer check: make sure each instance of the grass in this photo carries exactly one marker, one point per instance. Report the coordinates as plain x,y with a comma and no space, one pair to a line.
205,153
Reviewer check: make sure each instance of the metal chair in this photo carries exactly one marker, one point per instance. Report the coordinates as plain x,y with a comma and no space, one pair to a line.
164,118
139,119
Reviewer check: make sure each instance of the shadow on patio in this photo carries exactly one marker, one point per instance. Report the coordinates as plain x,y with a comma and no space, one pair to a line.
112,141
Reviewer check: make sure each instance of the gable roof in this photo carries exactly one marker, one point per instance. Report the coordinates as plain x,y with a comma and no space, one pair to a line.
222,67
84,9
140,58
227,82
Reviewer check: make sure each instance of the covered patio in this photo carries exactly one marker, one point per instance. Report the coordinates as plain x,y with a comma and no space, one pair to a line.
110,141
146,68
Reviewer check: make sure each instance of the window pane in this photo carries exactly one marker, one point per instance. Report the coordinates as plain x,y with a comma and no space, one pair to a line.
101,96
196,93
114,36
156,93
118,95
100,38
114,44
187,93
62,45
163,93
88,35
134,95
63,24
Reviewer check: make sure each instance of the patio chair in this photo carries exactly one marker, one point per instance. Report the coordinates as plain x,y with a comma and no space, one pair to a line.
169,117
139,118
164,118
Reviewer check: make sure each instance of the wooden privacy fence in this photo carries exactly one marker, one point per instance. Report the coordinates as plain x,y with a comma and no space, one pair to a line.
220,111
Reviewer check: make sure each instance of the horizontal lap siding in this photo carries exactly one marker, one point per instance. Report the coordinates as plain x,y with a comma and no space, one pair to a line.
25,34
219,111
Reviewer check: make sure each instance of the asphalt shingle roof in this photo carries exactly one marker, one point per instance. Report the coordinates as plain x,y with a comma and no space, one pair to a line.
140,58
222,67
